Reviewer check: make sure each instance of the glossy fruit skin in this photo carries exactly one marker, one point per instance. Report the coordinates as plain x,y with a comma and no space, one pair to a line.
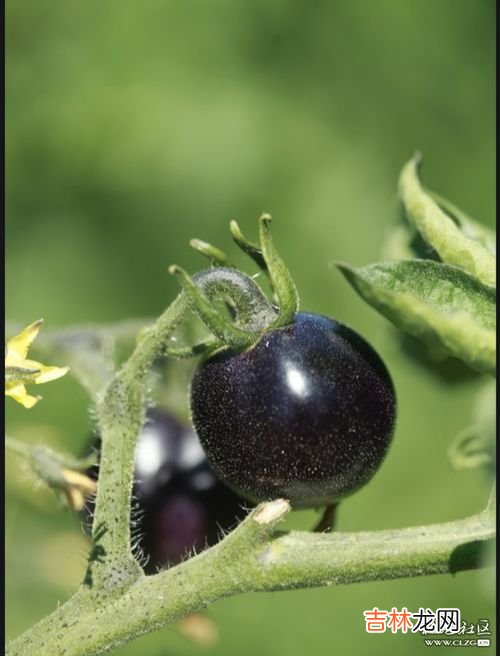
179,505
306,414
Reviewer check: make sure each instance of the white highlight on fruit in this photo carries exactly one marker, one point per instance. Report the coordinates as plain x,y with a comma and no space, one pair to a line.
297,382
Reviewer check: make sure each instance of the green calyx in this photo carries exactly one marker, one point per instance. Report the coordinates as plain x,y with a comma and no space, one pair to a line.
252,314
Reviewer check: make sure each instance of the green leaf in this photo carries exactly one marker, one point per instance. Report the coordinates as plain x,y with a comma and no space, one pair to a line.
441,231
440,304
470,228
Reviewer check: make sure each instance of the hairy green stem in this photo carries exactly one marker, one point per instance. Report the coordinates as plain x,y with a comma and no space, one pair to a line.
120,412
256,557
17,447
30,451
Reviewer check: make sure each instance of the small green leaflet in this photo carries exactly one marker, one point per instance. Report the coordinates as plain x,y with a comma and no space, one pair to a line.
457,239
440,304
475,445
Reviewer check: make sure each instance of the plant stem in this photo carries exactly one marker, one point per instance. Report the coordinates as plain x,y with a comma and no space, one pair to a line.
256,557
121,410
17,447
327,522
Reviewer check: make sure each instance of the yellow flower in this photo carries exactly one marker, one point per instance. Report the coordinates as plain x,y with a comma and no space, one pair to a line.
20,371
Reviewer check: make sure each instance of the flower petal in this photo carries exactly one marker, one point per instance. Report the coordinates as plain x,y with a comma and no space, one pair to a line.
49,373
19,394
20,371
20,343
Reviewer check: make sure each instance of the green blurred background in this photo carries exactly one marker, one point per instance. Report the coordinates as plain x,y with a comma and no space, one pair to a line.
134,126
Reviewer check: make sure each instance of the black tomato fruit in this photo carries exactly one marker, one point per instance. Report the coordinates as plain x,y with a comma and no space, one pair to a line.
179,504
307,413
